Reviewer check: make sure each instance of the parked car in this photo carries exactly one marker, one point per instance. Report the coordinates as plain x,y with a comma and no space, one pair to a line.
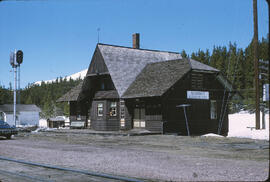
6,130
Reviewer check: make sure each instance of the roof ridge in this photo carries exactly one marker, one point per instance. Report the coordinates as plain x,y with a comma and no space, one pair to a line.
160,62
205,65
137,49
18,104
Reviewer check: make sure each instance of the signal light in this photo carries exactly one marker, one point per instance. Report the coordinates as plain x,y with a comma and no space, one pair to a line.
19,57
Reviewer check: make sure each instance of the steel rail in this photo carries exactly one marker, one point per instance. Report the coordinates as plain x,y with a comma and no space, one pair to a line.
74,170
24,176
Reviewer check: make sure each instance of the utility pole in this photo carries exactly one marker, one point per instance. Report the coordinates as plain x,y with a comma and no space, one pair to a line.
256,65
268,1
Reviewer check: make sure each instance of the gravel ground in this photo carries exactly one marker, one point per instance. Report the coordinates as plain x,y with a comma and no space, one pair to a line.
26,173
153,158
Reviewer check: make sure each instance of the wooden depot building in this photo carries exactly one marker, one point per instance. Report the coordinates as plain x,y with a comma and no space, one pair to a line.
129,87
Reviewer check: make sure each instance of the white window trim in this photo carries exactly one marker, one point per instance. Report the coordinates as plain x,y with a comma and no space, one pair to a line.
100,106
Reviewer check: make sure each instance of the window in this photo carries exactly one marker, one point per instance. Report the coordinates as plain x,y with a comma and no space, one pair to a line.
79,117
102,86
113,109
213,109
196,80
100,109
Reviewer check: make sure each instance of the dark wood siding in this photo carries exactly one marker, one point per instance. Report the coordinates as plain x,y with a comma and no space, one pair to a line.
153,114
72,108
78,111
154,123
105,122
198,113
97,64
128,115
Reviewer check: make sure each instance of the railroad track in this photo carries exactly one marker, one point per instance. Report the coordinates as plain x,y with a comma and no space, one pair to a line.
24,176
57,168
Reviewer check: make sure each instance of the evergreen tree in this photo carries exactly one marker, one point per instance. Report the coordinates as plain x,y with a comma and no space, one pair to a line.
237,64
184,54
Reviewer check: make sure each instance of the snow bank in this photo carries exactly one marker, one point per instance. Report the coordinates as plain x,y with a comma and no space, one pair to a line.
43,129
243,125
212,135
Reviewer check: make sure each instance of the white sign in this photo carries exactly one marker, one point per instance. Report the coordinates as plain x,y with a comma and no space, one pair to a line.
197,95
266,92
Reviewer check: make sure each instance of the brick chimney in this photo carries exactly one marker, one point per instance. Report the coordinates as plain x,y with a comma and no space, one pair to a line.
136,40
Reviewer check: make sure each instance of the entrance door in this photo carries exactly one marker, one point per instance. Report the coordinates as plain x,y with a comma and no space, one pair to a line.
139,118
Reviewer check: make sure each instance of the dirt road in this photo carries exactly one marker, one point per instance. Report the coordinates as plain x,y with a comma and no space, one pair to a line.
153,157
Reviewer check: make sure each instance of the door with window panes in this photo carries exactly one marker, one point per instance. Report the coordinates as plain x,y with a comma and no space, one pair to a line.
139,116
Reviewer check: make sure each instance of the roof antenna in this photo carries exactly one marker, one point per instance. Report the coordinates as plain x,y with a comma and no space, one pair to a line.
98,34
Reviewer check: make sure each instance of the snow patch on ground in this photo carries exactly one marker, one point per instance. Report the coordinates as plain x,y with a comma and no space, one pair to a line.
212,135
43,123
242,125
43,129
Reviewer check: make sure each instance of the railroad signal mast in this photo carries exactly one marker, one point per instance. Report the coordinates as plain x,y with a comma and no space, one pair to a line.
16,58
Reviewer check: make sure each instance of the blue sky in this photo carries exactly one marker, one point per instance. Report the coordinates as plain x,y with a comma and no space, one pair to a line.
58,37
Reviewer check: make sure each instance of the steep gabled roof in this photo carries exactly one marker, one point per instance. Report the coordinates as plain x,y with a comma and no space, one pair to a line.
72,95
196,65
136,72
125,63
19,108
156,78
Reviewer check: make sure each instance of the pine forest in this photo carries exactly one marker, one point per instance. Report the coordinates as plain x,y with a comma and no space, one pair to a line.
236,64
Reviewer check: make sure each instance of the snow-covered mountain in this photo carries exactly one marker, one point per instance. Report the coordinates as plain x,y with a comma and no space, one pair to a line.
73,76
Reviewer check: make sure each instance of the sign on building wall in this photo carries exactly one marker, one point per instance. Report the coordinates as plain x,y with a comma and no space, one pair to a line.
198,95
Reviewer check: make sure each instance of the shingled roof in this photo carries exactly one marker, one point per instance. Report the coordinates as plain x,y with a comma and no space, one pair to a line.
19,108
72,95
125,63
139,72
196,65
156,78
109,94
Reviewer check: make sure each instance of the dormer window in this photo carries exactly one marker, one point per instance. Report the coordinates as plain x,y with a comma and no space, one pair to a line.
102,86
196,81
